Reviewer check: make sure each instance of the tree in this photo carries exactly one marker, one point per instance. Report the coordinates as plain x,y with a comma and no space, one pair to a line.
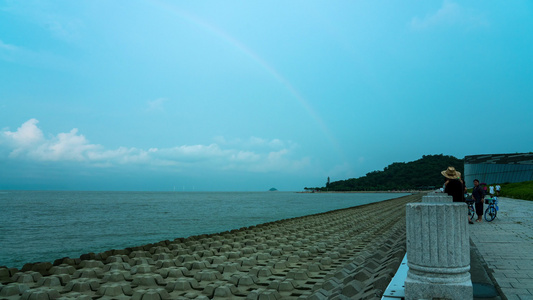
424,172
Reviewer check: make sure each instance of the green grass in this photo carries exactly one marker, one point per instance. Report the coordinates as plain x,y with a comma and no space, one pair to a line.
519,190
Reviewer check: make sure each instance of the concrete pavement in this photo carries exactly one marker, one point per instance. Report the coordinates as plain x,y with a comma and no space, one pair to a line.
506,245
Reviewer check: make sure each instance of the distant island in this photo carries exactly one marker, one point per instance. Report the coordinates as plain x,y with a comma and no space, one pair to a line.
420,174
273,190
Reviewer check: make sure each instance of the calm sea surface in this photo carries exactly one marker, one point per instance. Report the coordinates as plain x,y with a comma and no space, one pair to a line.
44,226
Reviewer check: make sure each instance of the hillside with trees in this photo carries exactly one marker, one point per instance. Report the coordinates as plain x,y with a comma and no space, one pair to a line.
419,174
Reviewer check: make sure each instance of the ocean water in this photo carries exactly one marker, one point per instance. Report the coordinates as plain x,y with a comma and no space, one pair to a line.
46,225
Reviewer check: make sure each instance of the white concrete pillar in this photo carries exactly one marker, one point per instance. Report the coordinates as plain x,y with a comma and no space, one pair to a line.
438,251
437,198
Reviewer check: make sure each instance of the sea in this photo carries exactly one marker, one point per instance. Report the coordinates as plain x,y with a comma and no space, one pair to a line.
42,226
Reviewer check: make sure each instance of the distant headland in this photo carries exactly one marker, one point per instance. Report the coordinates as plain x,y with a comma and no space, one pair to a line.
421,174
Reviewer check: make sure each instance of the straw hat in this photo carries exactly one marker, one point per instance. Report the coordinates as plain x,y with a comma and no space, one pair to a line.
451,173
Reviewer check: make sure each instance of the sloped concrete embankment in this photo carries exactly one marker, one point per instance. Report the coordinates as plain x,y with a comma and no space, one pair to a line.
350,253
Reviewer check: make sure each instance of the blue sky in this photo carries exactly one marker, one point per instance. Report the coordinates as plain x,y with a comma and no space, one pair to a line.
249,95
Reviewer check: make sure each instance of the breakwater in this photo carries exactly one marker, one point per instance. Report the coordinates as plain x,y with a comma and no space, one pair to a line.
45,225
352,252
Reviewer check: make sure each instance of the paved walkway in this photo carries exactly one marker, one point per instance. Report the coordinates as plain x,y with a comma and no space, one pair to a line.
506,245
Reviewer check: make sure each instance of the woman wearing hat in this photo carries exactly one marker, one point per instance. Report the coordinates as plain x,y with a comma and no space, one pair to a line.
454,185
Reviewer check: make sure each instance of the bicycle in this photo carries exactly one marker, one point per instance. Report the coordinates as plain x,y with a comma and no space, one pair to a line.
492,209
471,210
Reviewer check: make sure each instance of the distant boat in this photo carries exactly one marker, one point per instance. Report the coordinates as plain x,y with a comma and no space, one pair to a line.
273,190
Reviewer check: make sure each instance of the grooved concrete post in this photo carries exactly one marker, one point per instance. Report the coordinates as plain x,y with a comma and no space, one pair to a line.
438,251
437,198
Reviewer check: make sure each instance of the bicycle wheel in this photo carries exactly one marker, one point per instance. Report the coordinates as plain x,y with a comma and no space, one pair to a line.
490,213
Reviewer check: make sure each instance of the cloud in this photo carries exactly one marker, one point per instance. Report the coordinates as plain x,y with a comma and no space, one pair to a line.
7,47
45,15
66,29
254,142
27,134
29,57
40,15
157,104
28,143
450,13
9,52
26,137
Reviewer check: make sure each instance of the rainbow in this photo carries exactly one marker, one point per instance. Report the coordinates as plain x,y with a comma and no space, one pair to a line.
169,8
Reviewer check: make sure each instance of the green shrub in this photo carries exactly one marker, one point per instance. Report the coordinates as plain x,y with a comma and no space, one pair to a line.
518,190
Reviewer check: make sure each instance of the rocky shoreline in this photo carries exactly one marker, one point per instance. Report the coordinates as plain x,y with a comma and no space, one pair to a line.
348,253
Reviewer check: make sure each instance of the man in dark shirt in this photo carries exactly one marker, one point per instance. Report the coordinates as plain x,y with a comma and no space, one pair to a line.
478,195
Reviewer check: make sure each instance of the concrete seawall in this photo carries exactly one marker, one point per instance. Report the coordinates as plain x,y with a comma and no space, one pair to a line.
351,252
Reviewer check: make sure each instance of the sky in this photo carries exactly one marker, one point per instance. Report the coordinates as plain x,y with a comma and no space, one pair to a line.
250,95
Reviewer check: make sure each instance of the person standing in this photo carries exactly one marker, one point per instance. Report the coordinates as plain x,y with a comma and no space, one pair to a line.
465,190
491,190
498,188
478,195
453,185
